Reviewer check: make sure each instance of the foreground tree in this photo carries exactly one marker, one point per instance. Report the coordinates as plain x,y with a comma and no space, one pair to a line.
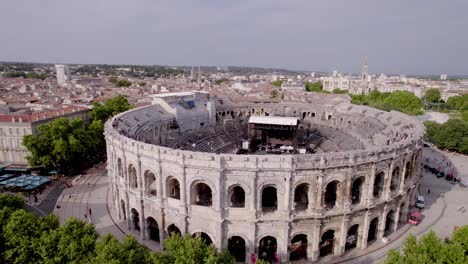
110,250
431,249
109,108
432,95
186,250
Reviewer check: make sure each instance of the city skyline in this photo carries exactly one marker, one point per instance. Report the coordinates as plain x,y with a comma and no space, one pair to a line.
298,35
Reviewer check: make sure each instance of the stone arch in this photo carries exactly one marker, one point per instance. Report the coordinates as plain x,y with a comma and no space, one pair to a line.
402,213
408,170
373,228
301,197
201,194
173,188
352,237
395,180
203,236
269,200
236,196
267,247
330,194
133,178
119,167
356,190
237,248
173,229
389,223
327,243
298,247
378,184
150,179
153,229
135,219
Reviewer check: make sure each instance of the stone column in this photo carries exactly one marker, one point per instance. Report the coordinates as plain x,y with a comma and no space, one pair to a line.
370,187
314,252
346,191
402,179
397,219
287,201
253,194
162,228
318,198
184,192
387,182
127,208
343,235
382,222
142,221
364,230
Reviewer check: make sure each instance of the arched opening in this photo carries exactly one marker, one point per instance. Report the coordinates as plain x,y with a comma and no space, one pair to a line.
395,179
150,183
133,176
389,223
330,194
236,247
203,236
298,247
173,188
267,249
201,194
269,199
408,171
135,219
153,229
329,117
237,195
356,190
378,184
124,212
119,167
372,234
352,237
301,198
304,115
327,243
173,229
401,215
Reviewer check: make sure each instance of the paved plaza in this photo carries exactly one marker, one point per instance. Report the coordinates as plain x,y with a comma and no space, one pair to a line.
441,213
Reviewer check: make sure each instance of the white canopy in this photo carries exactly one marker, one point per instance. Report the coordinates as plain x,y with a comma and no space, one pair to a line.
274,120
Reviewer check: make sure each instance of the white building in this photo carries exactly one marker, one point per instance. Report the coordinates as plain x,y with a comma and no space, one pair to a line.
293,86
63,73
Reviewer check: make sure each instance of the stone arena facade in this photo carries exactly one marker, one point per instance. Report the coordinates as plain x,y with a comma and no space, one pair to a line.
298,206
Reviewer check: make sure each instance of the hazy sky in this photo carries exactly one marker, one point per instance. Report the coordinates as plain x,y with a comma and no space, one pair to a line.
398,36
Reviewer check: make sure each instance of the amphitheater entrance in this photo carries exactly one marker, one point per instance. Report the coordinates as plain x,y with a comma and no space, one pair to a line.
173,229
378,184
201,195
135,219
352,237
173,188
330,194
298,248
269,199
395,179
236,247
356,190
122,207
203,236
327,243
133,176
150,183
301,199
372,234
267,249
237,195
389,223
153,229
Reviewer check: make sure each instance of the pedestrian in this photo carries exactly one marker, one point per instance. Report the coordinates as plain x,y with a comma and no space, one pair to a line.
428,191
89,211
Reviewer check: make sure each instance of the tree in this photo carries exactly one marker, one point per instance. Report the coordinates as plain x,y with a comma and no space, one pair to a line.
110,250
274,94
432,95
109,108
405,102
339,91
314,87
431,249
142,84
181,250
277,83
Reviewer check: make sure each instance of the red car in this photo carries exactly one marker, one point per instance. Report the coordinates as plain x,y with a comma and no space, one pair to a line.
415,218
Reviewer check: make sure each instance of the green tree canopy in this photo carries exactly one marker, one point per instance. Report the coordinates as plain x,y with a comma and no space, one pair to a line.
110,251
431,249
314,87
277,83
402,101
109,108
432,95
452,135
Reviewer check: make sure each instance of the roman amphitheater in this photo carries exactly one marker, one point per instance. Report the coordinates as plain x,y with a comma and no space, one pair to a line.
289,180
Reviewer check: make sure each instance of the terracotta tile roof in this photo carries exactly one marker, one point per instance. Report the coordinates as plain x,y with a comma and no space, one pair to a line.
43,115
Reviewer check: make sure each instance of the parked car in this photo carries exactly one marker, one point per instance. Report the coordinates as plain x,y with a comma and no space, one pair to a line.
415,218
420,202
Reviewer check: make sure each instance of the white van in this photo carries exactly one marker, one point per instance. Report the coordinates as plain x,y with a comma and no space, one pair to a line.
420,202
